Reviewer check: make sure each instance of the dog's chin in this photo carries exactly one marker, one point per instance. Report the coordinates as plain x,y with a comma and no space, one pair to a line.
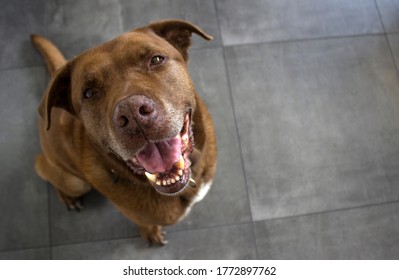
166,163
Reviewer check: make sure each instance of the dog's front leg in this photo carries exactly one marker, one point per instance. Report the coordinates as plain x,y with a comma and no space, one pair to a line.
153,234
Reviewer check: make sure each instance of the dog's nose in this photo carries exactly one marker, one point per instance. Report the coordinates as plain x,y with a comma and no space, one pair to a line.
135,113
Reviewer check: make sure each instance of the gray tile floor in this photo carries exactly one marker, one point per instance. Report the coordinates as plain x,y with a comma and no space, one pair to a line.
305,97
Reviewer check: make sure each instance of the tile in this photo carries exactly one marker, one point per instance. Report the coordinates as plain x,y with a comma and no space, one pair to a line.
228,193
363,233
233,242
23,196
266,20
18,19
389,10
75,26
99,220
29,254
318,123
202,13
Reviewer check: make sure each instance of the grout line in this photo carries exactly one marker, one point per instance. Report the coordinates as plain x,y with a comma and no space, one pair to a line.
139,237
93,241
379,16
46,20
13,68
387,38
237,132
49,221
309,39
372,205
24,249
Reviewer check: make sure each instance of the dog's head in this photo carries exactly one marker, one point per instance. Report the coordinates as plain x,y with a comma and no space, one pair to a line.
135,100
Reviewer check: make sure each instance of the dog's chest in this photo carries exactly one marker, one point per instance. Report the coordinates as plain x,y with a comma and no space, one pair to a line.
202,192
204,189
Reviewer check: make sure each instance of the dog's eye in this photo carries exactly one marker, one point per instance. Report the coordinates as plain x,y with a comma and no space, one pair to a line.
156,60
89,93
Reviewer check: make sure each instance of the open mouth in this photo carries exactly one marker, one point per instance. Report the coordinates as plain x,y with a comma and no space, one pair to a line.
165,163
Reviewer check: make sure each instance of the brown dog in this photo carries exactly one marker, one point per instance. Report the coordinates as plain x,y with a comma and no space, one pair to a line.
122,118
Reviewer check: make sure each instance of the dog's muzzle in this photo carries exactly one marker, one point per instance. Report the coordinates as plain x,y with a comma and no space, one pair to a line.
164,162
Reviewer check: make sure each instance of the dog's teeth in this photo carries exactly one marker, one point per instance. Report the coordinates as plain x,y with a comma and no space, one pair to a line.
184,137
180,172
158,182
168,181
173,181
151,177
180,163
177,178
164,183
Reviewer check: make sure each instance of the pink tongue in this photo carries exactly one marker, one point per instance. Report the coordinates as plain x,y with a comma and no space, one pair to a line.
159,157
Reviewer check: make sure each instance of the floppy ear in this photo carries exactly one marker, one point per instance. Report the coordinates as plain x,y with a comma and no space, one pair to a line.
58,94
178,33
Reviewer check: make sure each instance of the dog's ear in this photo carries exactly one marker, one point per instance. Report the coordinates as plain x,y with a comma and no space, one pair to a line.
178,33
58,94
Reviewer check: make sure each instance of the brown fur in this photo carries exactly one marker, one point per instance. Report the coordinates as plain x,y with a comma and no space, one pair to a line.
80,147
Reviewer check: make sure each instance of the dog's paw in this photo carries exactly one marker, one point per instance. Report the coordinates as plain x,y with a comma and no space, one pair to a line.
153,234
72,203
76,204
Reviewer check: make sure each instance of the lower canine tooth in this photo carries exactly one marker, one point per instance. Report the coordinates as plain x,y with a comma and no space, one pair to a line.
151,177
192,183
